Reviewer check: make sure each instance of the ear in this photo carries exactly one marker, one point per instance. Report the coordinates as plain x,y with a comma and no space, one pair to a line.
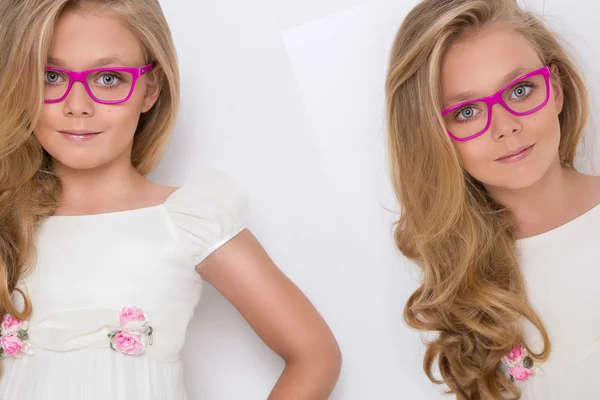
557,88
154,82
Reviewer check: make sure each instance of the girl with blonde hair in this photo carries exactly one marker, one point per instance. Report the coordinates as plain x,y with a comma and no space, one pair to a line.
485,111
100,268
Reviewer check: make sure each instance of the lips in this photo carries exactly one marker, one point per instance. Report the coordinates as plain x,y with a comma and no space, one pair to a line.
79,132
516,155
79,135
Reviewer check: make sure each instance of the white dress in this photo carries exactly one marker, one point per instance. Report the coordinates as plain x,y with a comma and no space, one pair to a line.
90,267
562,273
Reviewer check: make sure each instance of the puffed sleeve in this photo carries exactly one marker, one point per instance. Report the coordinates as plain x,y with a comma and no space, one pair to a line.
207,212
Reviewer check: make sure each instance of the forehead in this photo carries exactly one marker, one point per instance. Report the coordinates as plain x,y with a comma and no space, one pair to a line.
480,63
82,37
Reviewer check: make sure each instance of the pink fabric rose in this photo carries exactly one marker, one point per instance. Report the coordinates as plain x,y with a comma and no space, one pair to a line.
129,343
12,345
134,334
516,355
521,373
132,317
10,324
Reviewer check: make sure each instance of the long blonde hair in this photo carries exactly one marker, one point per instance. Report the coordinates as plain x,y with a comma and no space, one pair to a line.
473,293
28,186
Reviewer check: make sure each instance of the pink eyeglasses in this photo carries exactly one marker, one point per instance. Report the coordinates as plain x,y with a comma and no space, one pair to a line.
104,85
523,96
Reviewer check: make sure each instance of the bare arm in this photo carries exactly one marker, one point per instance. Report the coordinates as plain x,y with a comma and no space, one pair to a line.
280,314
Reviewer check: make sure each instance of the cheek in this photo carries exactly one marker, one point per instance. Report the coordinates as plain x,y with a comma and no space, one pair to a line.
119,124
123,116
118,117
49,122
474,156
547,123
543,129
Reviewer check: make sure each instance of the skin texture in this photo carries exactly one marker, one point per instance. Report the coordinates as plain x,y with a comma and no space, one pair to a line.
541,192
97,177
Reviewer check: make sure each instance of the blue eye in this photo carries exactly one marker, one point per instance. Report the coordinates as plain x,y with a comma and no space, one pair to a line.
521,91
52,77
467,113
109,80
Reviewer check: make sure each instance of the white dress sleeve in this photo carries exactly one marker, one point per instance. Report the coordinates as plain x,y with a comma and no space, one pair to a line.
207,212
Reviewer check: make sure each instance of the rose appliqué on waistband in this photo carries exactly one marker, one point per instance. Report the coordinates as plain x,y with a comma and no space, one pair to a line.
14,339
135,333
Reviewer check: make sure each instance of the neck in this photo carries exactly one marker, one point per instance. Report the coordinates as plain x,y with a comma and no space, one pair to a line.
92,189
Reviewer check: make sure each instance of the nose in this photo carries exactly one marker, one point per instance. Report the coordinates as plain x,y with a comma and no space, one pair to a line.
504,124
78,102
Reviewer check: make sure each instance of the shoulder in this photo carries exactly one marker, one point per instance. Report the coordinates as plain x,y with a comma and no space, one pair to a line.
210,190
207,211
594,184
587,192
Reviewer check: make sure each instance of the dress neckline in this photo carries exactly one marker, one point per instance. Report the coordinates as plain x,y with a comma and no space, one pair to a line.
118,212
559,229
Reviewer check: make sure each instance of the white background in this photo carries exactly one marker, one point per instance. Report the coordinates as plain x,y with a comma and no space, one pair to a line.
287,96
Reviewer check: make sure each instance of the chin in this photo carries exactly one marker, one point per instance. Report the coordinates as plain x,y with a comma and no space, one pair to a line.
520,183
81,162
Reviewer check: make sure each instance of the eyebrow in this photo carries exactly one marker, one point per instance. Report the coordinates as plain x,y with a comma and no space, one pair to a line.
511,76
99,63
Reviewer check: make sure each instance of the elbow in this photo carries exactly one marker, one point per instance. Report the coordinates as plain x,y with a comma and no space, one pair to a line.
336,360
324,361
